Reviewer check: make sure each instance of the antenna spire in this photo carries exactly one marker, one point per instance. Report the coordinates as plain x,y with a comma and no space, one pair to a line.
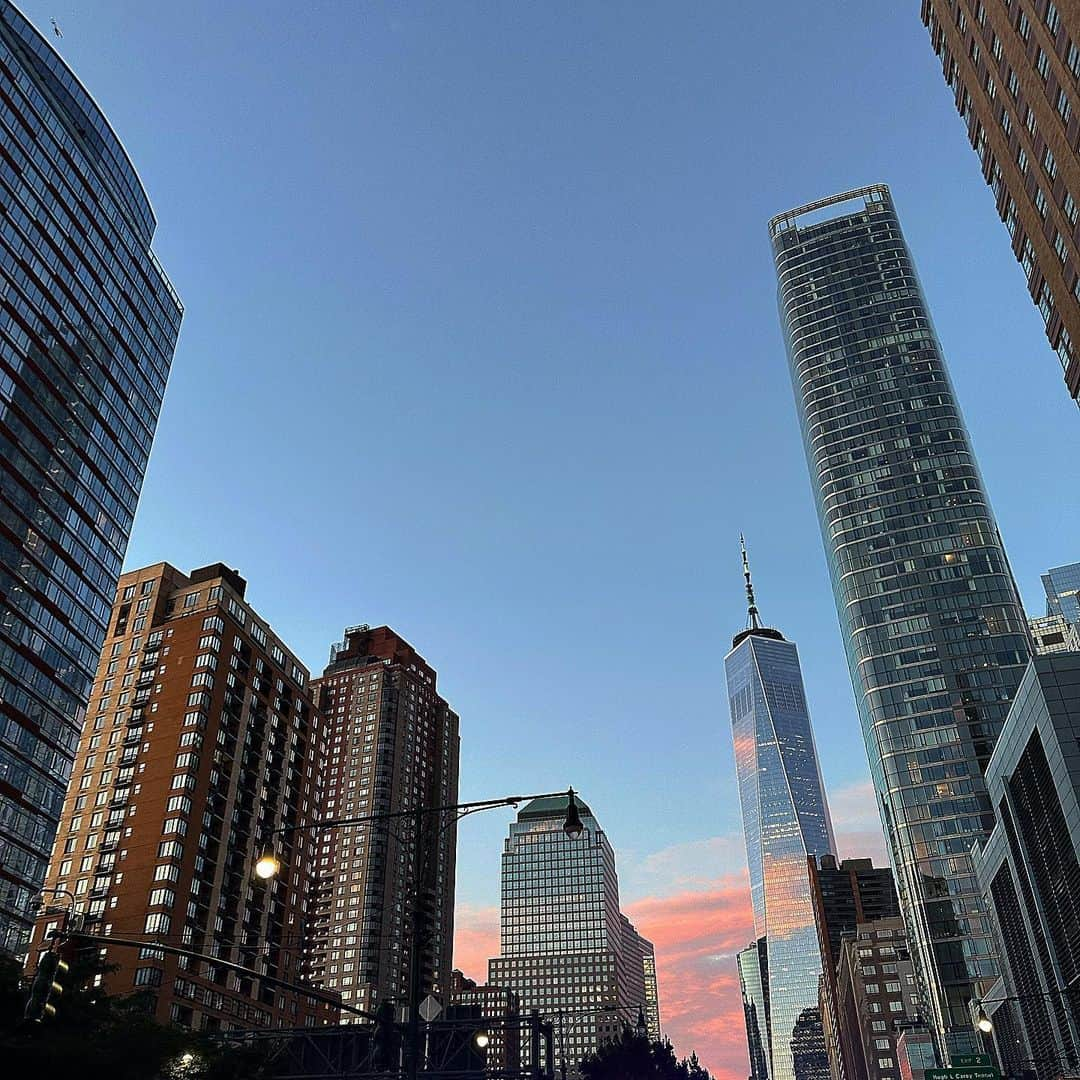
752,620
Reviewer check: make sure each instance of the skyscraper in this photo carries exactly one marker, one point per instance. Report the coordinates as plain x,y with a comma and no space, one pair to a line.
935,633
753,964
201,738
785,821
1062,587
87,332
565,946
392,746
1029,869
1013,69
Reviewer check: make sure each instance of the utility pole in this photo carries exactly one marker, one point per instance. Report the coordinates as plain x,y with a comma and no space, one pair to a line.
412,1033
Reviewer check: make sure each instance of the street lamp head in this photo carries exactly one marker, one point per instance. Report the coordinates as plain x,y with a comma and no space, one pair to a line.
481,1040
983,1022
268,865
572,826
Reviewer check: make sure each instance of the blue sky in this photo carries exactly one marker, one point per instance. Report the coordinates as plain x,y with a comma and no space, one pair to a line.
481,342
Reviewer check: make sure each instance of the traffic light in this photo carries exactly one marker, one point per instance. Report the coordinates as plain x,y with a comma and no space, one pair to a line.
47,986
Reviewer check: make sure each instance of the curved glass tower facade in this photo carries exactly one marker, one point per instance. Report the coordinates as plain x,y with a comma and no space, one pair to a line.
785,820
88,324
935,634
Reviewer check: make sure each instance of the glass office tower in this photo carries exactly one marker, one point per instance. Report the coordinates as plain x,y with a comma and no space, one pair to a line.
88,323
566,949
785,820
1062,585
935,634
754,985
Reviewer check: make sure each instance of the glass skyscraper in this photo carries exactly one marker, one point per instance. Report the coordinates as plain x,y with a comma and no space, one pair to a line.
88,324
1062,585
567,951
935,634
785,821
754,984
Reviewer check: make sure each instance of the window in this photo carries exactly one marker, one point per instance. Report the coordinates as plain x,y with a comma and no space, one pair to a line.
873,988
170,849
885,1063
1049,164
1014,85
1022,159
1069,206
878,1025
882,1044
1006,121
214,623
162,898
159,922
1040,202
1051,18
129,592
166,872
191,600
1063,107
1072,58
896,1006
1023,26
995,47
1042,65
1062,254
147,976
892,988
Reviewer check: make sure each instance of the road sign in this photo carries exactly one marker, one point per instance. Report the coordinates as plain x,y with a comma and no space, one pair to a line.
430,1008
974,1072
959,1061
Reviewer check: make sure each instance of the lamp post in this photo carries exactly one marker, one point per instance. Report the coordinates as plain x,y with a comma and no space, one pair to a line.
268,865
985,1025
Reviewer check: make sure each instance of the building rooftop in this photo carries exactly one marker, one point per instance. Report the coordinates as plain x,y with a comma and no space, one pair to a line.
554,806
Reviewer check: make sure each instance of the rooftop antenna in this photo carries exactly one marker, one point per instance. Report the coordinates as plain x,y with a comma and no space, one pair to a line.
752,620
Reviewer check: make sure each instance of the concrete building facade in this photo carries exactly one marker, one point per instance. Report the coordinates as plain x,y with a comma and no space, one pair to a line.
1029,869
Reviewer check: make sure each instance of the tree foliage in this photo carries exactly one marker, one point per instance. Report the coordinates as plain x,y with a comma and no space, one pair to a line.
95,1036
634,1057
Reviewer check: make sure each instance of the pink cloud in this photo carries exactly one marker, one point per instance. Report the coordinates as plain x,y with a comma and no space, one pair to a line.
476,939
696,935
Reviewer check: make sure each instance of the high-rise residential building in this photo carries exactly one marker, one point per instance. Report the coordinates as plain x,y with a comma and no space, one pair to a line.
785,822
87,333
1013,68
201,739
935,634
1062,587
392,748
753,964
877,997
565,949
1054,633
1029,869
845,894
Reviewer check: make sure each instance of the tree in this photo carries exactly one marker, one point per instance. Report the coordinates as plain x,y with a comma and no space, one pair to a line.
634,1057
96,1036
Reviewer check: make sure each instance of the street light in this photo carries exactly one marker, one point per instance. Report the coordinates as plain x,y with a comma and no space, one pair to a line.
983,1022
268,865
481,1040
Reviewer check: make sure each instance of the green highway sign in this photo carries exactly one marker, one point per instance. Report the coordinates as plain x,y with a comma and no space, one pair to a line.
971,1072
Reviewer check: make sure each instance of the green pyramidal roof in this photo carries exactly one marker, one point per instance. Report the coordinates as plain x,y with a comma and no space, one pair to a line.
554,806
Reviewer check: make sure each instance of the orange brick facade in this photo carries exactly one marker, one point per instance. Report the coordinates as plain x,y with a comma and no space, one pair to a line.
200,738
